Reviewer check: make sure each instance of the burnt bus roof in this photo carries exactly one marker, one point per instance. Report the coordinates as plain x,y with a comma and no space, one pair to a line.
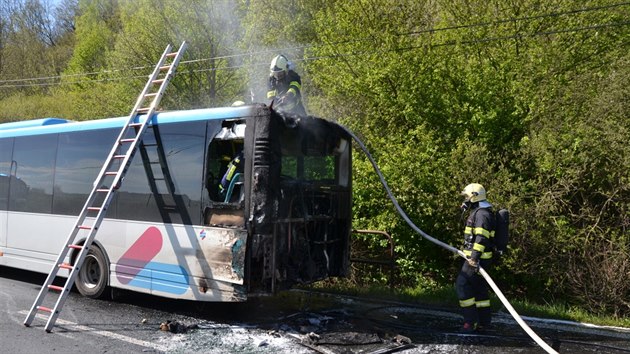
57,125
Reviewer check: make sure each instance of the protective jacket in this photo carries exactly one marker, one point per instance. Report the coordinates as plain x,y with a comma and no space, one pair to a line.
286,93
479,234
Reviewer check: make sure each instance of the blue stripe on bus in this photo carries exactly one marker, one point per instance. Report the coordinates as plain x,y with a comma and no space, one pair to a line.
33,123
169,278
26,128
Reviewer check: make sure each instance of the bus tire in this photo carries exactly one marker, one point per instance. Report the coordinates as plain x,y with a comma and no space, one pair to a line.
93,276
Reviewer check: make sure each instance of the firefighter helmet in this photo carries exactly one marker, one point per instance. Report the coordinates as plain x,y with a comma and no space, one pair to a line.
279,66
474,192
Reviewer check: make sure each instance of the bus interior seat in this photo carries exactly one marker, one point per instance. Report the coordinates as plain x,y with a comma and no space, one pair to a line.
237,180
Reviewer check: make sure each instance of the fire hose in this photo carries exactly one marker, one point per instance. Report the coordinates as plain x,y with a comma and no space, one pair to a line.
483,273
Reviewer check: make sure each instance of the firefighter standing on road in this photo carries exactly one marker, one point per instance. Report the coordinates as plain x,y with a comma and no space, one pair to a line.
472,289
284,87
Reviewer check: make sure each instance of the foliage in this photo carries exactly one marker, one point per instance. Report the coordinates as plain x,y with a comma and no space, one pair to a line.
528,98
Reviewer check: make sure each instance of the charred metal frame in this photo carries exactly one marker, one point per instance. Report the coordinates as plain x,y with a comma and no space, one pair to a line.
299,229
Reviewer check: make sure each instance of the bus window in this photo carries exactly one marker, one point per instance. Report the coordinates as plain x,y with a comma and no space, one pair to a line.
225,164
225,161
80,157
34,158
225,176
171,154
309,168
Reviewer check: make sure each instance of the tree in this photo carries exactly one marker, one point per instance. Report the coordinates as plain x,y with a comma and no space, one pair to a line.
34,50
449,93
28,39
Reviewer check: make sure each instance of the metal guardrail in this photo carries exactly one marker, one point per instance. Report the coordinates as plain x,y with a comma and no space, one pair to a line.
391,262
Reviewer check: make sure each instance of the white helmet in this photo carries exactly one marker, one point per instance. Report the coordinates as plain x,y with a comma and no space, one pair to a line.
474,192
279,66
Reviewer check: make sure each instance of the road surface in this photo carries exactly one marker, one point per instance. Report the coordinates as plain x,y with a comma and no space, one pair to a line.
293,322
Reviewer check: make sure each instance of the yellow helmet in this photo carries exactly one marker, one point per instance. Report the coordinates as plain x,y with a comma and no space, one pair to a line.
474,192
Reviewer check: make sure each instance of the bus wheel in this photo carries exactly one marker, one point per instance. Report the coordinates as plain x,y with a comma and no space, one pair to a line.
92,279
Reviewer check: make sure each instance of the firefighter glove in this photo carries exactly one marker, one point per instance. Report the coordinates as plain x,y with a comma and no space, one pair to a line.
473,264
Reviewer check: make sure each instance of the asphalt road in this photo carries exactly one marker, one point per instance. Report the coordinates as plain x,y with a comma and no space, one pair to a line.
295,322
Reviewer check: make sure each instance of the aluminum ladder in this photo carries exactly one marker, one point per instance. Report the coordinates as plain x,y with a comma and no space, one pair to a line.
107,182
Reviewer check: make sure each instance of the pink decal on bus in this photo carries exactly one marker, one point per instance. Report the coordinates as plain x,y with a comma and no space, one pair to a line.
146,247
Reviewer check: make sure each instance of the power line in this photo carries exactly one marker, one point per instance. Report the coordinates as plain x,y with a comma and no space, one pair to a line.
474,41
111,71
481,40
430,30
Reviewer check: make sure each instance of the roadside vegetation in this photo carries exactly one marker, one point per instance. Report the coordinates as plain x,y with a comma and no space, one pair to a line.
529,98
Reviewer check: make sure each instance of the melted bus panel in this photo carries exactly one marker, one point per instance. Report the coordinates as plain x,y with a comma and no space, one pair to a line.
300,201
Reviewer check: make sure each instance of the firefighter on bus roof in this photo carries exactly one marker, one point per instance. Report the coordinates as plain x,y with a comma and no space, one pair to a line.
284,87
472,289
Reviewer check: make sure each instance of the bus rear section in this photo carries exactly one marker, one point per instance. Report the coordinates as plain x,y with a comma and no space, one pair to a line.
292,196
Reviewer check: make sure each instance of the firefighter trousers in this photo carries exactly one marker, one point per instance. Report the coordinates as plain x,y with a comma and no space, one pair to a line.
472,292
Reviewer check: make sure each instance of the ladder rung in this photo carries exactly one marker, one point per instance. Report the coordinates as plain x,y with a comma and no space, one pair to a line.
143,109
130,140
165,67
44,308
170,55
65,266
94,208
111,173
133,125
76,247
119,156
85,227
102,190
55,287
151,94
158,81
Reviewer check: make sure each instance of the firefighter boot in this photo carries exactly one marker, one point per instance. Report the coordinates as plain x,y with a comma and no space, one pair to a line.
485,318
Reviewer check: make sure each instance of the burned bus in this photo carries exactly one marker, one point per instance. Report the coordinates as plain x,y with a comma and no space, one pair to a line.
175,228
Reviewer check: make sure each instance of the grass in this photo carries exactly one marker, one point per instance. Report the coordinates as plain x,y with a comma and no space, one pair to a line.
567,312
445,297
